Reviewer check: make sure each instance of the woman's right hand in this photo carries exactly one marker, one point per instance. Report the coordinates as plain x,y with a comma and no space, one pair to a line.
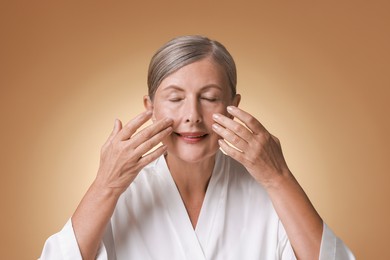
123,154
121,159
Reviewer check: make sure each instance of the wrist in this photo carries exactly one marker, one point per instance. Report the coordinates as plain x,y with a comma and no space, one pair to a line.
104,192
278,181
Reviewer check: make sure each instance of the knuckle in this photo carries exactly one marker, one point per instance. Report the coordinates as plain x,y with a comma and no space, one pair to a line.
149,145
129,126
110,142
106,146
264,137
236,139
145,134
237,128
252,121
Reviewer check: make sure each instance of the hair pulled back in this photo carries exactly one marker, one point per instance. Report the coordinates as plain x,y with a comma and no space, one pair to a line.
184,50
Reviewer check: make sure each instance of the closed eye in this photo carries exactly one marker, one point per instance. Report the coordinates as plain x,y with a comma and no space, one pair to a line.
210,99
175,99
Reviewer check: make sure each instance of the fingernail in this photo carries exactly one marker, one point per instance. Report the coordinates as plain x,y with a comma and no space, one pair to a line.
215,126
215,116
230,108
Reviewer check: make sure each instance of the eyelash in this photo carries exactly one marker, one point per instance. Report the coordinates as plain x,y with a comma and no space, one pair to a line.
175,99
209,99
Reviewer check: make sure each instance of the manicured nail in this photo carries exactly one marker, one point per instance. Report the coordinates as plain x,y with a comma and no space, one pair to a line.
230,108
216,126
215,116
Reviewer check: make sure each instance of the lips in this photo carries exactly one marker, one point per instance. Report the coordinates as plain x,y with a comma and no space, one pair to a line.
192,137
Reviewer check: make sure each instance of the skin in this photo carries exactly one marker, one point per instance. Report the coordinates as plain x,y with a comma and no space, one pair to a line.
192,113
261,154
120,161
191,102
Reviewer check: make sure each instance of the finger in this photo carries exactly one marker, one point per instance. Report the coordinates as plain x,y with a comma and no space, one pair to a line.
115,130
131,127
231,151
150,157
251,122
231,137
148,145
150,131
234,128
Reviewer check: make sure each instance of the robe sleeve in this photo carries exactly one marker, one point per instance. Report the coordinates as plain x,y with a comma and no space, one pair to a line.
332,247
63,246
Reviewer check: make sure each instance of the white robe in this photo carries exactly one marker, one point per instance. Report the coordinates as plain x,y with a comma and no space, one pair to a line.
237,221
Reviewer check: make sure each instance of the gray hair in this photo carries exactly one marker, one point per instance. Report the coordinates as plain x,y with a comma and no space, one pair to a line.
184,50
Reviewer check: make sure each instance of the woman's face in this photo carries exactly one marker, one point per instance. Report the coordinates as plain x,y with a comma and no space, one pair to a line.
190,96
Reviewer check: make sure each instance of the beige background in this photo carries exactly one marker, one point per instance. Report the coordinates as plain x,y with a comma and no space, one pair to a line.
316,74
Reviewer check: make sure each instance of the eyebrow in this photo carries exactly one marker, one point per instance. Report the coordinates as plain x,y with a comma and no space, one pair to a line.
175,87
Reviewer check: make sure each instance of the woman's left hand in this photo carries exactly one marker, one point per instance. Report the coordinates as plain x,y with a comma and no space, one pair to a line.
258,150
261,154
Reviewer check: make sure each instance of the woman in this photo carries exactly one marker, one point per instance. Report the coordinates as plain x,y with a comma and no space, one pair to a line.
186,199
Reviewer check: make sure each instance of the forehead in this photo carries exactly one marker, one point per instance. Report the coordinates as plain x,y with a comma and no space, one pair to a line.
196,76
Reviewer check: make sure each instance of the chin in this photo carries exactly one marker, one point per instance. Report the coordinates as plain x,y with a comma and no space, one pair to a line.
193,155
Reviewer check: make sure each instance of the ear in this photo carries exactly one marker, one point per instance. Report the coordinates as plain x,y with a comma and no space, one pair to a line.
148,104
236,100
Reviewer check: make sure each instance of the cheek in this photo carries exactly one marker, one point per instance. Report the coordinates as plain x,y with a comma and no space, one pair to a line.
161,112
209,111
220,108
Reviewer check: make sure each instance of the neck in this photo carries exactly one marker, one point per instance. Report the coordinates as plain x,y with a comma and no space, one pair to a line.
191,178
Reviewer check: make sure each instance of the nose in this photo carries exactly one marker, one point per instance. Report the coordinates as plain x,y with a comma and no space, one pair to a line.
193,112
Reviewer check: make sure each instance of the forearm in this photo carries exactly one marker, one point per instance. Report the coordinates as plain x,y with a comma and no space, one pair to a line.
301,221
91,218
261,154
